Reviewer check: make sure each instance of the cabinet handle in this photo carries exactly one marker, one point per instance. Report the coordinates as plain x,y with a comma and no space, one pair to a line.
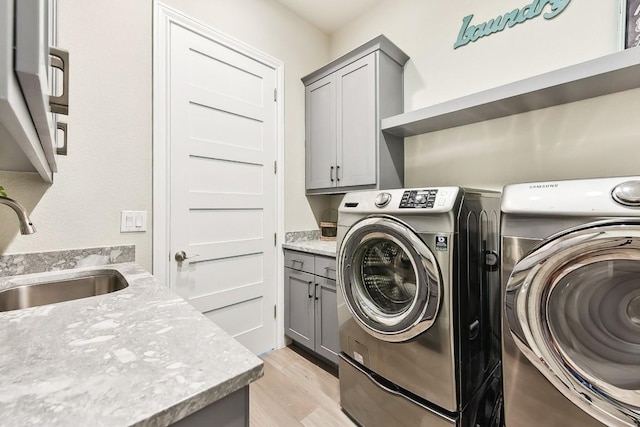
309,289
331,173
62,151
315,292
338,173
60,60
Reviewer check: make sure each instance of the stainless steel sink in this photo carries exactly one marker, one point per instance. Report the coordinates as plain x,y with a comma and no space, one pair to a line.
81,285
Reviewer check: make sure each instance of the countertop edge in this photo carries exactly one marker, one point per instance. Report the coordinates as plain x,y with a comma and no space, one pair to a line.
197,402
312,247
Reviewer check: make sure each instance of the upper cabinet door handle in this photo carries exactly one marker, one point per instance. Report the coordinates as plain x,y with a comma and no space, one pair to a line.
60,60
62,151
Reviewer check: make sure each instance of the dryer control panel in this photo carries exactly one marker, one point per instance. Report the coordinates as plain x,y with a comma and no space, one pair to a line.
410,201
427,198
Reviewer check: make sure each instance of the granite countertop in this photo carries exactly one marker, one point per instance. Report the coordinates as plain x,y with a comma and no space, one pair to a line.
318,247
139,356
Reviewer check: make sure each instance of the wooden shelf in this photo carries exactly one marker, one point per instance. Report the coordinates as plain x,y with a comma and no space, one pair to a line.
602,76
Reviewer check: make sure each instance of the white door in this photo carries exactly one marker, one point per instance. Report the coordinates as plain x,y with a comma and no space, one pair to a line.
223,185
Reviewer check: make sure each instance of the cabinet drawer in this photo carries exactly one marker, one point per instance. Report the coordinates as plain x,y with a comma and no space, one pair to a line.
325,267
299,261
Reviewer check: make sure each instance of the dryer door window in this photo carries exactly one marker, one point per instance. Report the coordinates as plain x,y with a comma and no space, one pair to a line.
386,281
389,279
573,308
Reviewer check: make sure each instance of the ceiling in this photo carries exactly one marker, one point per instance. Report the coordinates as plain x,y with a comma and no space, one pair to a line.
329,15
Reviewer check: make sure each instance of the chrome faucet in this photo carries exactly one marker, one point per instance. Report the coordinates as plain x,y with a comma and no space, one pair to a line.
26,226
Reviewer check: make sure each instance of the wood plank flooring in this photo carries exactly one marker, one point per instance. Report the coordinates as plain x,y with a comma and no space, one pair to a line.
296,390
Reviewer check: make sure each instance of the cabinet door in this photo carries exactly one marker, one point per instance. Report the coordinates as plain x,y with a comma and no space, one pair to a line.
320,133
33,30
327,338
356,109
299,307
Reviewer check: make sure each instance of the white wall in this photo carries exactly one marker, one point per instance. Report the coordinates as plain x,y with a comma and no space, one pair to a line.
109,167
585,139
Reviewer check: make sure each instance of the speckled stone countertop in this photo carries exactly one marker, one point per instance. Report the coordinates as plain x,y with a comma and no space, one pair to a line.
140,356
319,247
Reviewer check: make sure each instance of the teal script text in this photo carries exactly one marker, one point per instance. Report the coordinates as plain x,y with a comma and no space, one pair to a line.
470,33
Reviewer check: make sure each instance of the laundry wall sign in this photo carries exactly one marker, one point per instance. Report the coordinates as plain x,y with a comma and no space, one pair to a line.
470,32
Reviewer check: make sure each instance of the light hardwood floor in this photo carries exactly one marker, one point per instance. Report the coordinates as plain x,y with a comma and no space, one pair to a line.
296,390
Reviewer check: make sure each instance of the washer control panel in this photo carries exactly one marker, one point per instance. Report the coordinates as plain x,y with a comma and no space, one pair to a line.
427,198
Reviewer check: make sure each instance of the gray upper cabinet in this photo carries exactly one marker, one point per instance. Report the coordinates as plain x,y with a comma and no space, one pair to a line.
345,101
27,103
321,125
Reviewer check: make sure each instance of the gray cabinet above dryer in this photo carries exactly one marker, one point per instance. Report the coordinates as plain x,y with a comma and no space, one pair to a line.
345,102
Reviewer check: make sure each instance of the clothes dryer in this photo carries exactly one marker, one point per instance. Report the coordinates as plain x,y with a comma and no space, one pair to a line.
571,291
418,279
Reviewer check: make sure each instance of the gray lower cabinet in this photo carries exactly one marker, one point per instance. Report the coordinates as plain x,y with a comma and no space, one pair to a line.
311,316
344,102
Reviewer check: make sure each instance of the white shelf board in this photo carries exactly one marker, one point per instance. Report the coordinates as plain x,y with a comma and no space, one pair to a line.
602,76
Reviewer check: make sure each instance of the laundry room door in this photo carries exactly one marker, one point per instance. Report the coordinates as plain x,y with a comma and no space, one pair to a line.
222,135
573,309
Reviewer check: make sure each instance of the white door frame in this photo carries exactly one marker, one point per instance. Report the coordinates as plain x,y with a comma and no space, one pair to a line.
163,17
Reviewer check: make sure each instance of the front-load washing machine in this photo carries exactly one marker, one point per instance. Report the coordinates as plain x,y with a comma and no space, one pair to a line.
571,289
418,307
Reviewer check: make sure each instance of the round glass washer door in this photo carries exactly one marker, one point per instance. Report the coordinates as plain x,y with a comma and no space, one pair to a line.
389,279
573,308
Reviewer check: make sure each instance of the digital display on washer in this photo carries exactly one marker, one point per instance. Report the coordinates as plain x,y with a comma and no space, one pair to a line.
419,198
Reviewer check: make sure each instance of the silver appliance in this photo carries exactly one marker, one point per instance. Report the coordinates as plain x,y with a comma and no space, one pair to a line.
418,307
571,289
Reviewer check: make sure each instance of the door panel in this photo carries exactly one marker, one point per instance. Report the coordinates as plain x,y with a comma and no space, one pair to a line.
230,81
356,111
223,139
239,128
320,133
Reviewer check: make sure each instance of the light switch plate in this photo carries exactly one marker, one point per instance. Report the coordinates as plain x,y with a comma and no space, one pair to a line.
133,221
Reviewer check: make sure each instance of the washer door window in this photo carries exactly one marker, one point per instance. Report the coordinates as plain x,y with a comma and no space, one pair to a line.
389,279
573,308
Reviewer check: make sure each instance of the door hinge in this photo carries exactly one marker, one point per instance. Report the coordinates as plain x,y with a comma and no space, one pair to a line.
275,95
275,239
275,166
275,311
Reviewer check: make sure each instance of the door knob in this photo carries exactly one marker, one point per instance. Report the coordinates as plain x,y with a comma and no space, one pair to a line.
182,255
